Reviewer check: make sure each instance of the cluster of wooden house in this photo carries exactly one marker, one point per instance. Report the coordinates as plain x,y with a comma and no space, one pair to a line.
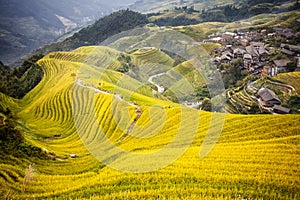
254,54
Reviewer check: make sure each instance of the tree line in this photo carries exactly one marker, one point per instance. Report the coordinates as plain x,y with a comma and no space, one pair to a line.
98,32
245,9
228,13
19,81
12,141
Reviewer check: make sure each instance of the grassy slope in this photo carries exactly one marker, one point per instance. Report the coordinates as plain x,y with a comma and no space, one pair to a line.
210,4
201,31
256,156
151,6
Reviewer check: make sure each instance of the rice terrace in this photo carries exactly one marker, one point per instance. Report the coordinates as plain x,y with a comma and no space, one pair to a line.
128,118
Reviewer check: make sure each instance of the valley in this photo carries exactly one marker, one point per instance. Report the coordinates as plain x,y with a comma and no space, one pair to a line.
24,28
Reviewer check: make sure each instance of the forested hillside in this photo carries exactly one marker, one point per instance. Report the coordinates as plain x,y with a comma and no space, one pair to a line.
19,81
27,25
239,10
102,29
245,9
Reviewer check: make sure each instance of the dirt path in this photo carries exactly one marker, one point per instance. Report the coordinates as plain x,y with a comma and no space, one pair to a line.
139,113
160,88
138,109
79,82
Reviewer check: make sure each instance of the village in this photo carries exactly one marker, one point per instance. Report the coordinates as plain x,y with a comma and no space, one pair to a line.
256,55
261,53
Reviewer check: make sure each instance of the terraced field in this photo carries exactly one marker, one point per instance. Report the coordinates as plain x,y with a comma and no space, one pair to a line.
291,78
181,80
285,85
237,101
78,103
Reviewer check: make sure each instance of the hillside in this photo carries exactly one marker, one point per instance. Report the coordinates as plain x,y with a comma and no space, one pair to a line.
24,28
19,81
190,13
126,19
77,99
27,25
182,17
146,6
96,33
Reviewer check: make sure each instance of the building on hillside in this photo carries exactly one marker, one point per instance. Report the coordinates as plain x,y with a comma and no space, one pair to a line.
239,52
215,60
281,110
252,51
229,48
254,36
244,42
247,58
267,70
270,35
293,48
216,40
263,53
264,32
257,45
281,64
258,50
274,71
228,53
287,52
228,35
268,97
284,32
225,59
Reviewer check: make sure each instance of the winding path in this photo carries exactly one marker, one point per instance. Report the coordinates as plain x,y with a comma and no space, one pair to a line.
138,109
119,97
160,88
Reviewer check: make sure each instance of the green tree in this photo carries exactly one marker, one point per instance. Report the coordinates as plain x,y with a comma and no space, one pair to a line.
19,81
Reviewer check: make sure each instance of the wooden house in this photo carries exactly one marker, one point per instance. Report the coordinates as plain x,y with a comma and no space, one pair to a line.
244,42
228,36
281,110
239,52
287,52
268,97
267,70
225,59
281,64
216,40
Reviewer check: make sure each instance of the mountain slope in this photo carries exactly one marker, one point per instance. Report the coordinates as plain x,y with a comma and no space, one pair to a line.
152,6
102,29
27,25
250,160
